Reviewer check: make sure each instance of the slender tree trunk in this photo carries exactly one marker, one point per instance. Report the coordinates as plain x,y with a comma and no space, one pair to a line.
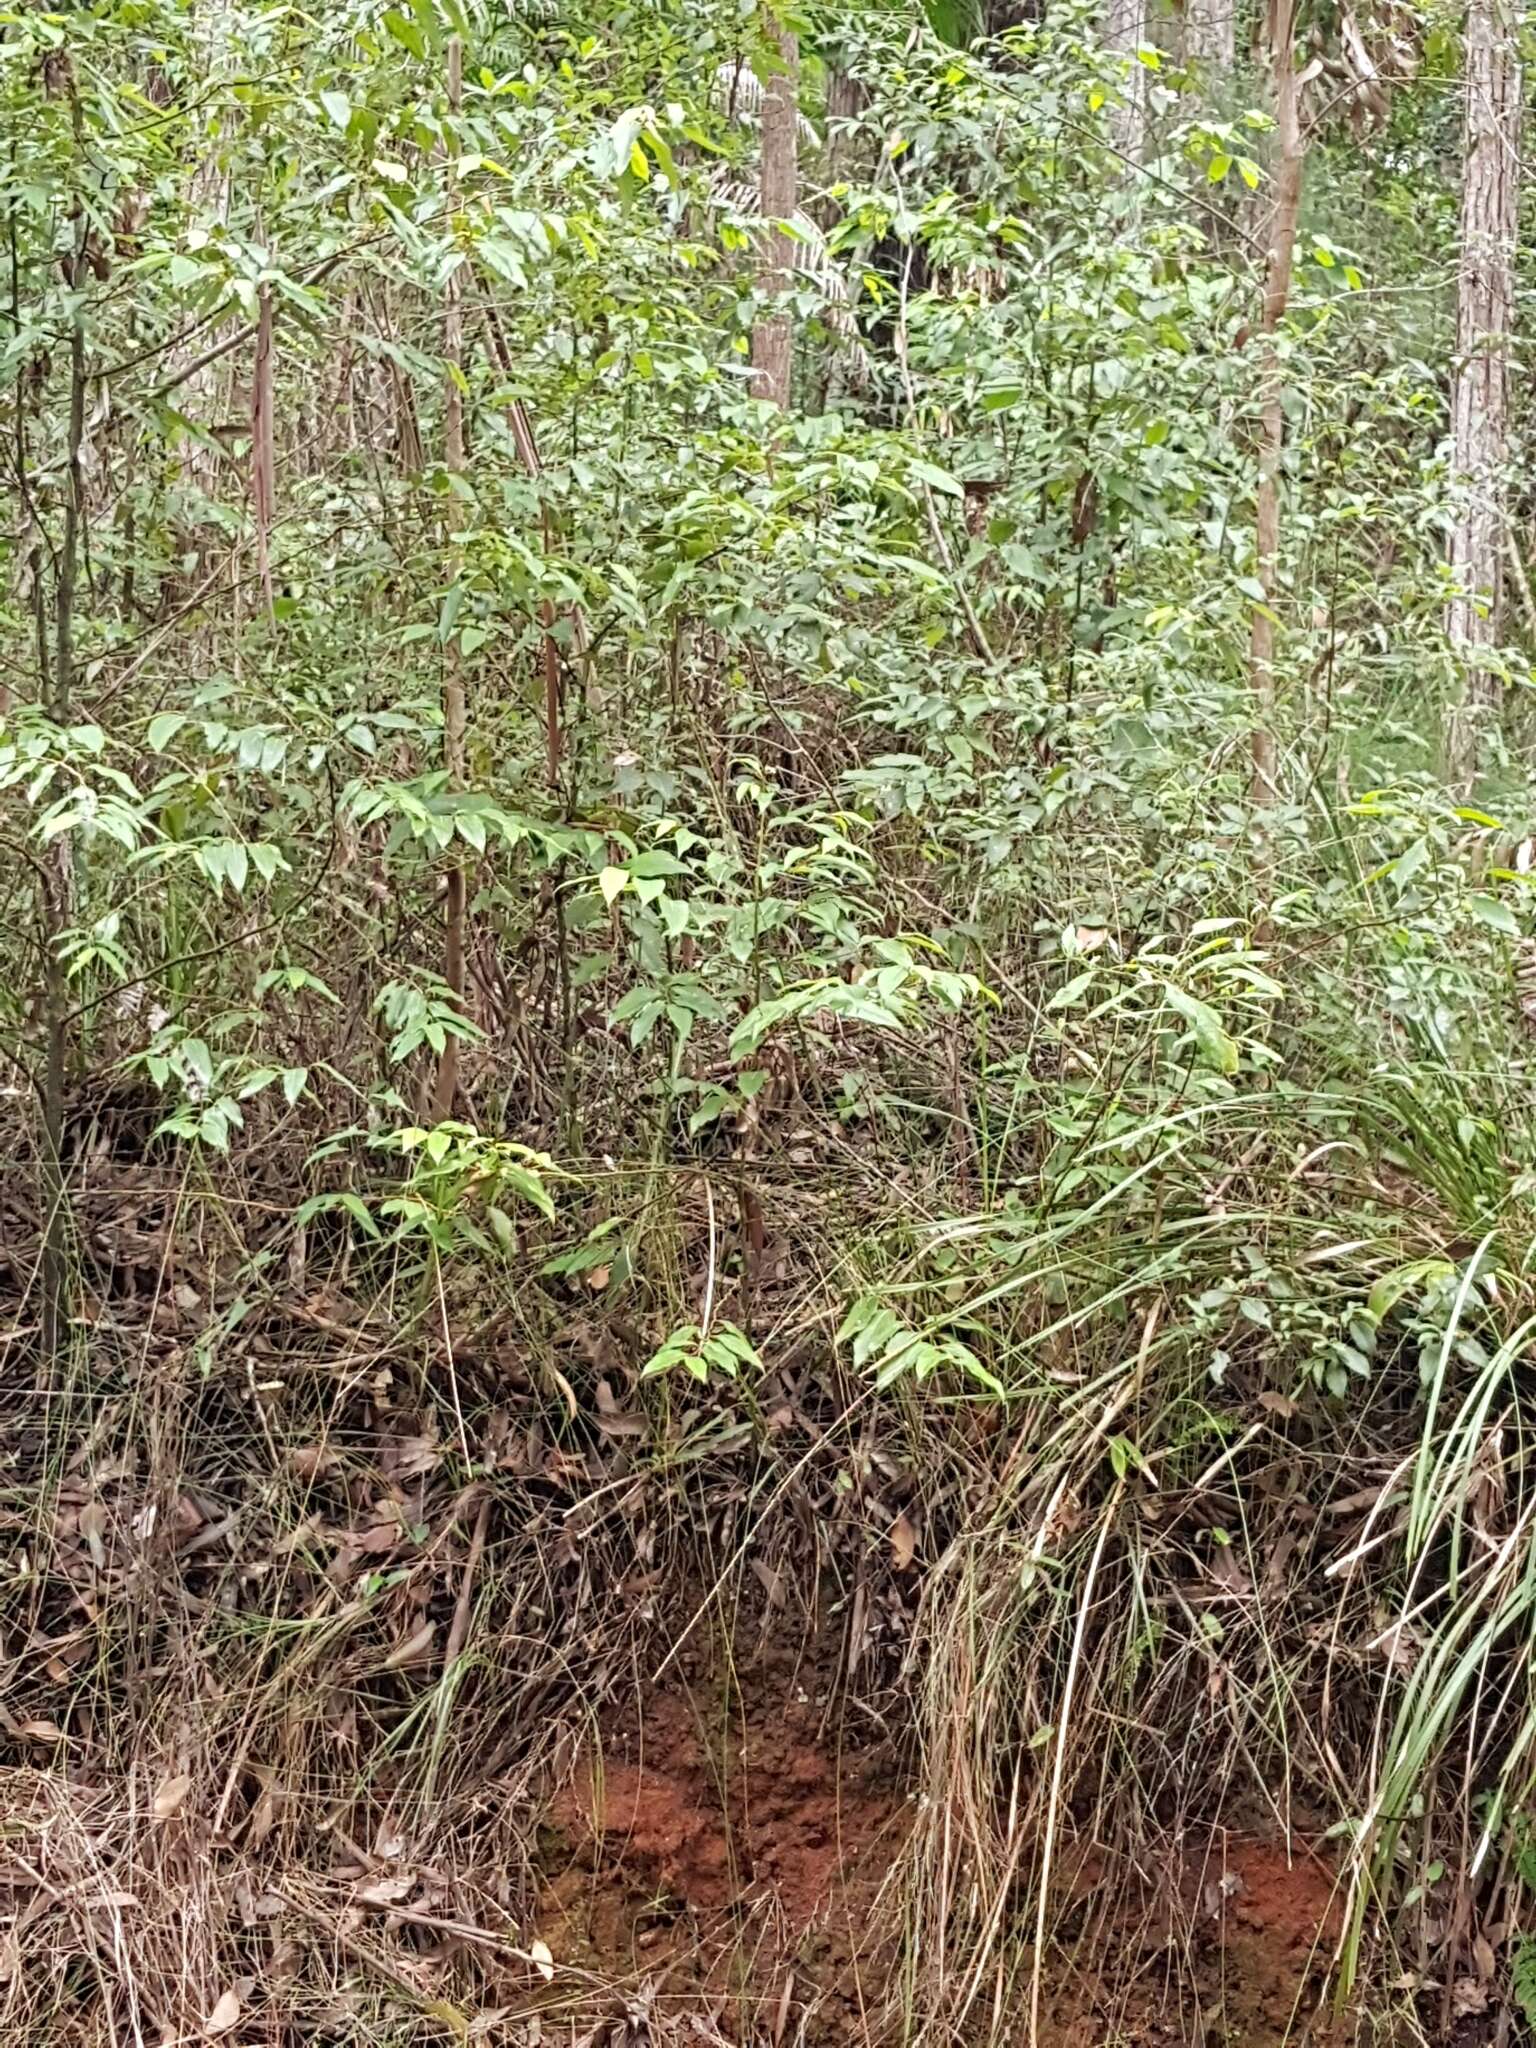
212,28
263,452
455,716
1277,292
58,867
1210,36
1490,192
1125,30
773,337
846,100
58,887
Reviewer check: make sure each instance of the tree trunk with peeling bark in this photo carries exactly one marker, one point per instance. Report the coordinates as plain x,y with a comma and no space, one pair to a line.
1490,193
773,336
1277,293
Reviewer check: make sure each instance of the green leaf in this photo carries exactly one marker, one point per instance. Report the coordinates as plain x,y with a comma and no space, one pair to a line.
405,32
268,861
1211,1036
936,479
1064,998
353,1205
1490,911
1124,1457
199,1060
1408,864
163,729
876,1334
530,1187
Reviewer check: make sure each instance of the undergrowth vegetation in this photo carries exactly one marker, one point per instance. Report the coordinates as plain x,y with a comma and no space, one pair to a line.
898,1149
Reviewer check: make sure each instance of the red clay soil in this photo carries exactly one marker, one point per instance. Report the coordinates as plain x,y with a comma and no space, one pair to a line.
715,1818
1234,1954
729,1866
731,1861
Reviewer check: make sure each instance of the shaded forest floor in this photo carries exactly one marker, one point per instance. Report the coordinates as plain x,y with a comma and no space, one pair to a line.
394,1676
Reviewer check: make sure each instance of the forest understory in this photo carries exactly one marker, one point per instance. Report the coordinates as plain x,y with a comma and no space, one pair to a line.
767,996
377,1678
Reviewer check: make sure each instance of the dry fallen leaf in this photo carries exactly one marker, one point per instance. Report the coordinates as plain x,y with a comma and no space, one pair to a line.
41,1731
566,1389
413,1649
771,1583
309,1461
223,2016
92,1526
169,1794
1226,1569
543,1961
1468,1997
903,1544
387,1891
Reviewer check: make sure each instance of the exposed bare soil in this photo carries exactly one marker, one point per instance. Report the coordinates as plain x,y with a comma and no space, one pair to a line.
730,1859
737,1863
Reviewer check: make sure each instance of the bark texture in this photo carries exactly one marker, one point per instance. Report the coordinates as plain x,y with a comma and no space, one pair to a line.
1490,194
1277,294
773,337
202,375
1210,36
